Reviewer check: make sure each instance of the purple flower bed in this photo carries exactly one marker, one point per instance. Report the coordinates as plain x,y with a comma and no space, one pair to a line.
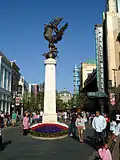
48,129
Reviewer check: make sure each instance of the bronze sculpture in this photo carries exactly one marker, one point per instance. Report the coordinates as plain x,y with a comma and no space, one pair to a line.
52,34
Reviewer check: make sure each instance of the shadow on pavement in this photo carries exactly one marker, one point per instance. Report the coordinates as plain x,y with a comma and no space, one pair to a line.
90,138
90,143
4,145
75,138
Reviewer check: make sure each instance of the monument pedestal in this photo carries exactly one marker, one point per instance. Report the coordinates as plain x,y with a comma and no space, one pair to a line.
50,114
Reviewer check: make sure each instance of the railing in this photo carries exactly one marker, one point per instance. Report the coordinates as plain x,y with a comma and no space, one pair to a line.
116,150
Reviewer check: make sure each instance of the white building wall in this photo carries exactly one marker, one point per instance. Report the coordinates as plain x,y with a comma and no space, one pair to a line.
118,6
5,86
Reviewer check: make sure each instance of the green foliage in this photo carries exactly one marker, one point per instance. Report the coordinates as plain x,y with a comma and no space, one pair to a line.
33,103
83,99
40,99
60,104
79,100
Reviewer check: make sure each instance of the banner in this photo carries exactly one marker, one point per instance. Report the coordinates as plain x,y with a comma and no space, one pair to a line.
99,57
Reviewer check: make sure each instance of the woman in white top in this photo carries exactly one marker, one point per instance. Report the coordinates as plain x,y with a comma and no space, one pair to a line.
65,116
80,124
112,126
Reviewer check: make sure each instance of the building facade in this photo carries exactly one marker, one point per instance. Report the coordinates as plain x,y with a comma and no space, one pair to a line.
99,57
65,96
23,87
112,41
86,69
15,82
34,89
5,83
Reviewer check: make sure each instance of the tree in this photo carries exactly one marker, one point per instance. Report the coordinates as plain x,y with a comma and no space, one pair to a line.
33,103
79,100
30,102
26,100
40,99
60,105
83,100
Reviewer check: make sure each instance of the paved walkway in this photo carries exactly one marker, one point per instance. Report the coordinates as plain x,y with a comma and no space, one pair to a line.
18,147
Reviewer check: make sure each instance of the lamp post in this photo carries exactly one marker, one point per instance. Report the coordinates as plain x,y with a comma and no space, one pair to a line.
115,70
112,95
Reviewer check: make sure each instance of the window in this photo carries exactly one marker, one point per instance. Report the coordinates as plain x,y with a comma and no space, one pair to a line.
5,79
1,77
9,81
19,89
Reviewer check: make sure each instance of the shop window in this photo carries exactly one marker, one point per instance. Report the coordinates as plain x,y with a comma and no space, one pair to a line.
19,89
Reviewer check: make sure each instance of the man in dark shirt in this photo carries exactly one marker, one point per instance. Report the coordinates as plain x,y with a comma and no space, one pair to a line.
72,125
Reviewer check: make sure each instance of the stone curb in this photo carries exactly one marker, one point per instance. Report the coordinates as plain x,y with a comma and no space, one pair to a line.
47,138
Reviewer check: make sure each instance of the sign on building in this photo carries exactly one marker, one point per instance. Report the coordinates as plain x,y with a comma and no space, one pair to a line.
99,57
18,100
112,99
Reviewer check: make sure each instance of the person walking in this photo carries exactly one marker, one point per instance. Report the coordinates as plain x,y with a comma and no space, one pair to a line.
80,124
99,125
65,116
107,126
14,117
26,124
1,126
41,115
116,132
72,124
112,126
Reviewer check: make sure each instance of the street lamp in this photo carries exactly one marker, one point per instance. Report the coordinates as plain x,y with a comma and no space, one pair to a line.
114,70
112,95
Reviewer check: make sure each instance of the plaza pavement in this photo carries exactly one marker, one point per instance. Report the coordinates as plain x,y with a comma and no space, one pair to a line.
18,147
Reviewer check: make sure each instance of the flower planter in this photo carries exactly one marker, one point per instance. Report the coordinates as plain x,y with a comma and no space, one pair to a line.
49,130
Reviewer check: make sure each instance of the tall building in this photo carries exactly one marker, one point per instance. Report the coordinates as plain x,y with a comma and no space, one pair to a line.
112,42
34,89
23,87
15,82
86,69
5,83
65,95
76,74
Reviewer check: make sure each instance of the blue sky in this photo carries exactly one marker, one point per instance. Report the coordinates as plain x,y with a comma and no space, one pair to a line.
21,35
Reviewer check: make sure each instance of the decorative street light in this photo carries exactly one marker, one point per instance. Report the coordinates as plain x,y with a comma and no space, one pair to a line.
114,70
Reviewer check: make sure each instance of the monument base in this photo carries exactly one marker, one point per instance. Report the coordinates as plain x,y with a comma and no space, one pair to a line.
49,118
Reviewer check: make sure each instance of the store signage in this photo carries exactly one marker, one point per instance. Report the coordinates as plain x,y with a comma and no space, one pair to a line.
18,99
99,58
112,99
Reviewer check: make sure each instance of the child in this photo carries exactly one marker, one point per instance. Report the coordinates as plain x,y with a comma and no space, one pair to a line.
104,152
80,124
26,124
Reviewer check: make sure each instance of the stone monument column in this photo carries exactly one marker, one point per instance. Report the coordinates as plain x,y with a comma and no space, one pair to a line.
50,114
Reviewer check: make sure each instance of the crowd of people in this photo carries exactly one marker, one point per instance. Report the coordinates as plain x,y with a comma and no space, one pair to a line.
7,119
106,130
